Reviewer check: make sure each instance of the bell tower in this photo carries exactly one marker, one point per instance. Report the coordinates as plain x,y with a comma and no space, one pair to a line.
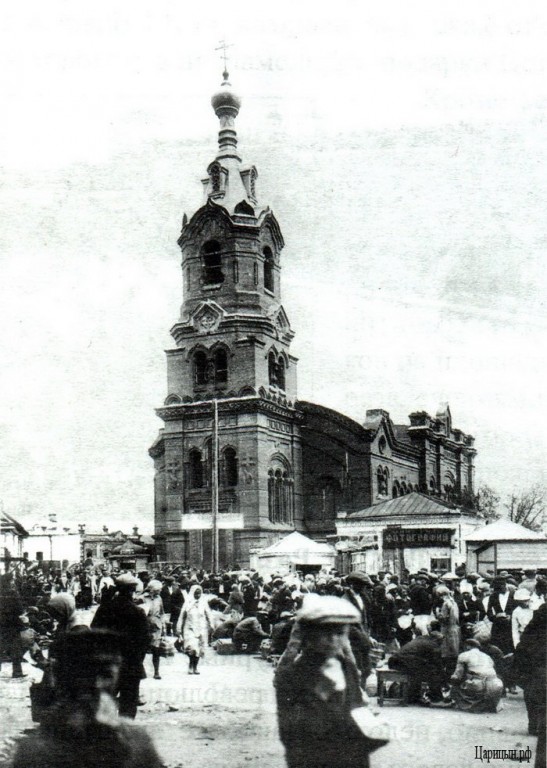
232,349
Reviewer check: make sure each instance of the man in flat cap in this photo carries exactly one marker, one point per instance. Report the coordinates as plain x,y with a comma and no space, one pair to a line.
318,688
121,615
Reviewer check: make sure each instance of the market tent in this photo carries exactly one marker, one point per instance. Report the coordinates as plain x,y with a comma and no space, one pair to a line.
293,552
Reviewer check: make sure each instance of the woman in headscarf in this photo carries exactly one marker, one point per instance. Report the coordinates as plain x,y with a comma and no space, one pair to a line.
193,625
475,684
235,602
448,616
318,688
155,618
62,607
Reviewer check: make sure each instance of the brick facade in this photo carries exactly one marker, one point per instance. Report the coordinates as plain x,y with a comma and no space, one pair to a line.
283,464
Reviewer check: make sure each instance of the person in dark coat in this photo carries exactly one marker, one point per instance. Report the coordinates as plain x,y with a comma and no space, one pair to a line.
281,632
421,660
420,598
318,688
165,594
121,615
83,729
248,634
529,669
11,608
358,583
500,607
356,593
177,601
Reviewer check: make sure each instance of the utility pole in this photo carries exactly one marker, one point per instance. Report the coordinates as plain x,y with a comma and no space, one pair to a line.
214,487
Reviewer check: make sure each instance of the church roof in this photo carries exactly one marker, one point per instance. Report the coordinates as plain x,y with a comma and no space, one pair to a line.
505,530
411,505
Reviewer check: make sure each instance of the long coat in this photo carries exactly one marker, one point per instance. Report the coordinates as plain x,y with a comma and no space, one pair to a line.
318,731
450,628
121,615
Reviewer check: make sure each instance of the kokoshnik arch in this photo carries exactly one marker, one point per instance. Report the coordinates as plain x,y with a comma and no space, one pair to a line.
283,464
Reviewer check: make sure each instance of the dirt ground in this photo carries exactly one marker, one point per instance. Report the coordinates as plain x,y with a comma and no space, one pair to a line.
226,717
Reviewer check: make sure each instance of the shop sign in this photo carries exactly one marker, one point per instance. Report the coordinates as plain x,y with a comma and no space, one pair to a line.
417,537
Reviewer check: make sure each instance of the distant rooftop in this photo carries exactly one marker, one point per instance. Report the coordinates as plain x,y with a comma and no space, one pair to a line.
411,505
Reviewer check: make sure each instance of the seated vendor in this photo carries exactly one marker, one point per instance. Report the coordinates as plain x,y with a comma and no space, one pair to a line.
421,660
475,684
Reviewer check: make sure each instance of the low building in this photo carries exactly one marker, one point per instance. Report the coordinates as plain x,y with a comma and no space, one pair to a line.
505,546
52,544
406,533
130,556
12,537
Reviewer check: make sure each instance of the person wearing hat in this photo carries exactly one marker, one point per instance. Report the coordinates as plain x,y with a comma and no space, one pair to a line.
421,660
500,607
420,601
356,593
357,584
529,579
475,686
156,619
318,686
522,614
121,615
83,729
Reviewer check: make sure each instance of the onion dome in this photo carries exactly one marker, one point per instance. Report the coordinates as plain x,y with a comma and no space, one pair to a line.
225,101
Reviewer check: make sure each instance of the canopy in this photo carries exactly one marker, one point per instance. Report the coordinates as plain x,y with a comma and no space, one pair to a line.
294,550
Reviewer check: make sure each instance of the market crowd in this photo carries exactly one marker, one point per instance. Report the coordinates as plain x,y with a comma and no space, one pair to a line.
461,640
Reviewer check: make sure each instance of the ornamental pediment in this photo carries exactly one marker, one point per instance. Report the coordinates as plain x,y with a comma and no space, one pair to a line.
207,317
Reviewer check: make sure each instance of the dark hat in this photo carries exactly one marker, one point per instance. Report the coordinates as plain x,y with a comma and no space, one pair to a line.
359,576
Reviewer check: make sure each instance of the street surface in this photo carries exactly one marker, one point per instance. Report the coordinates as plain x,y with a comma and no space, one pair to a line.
226,717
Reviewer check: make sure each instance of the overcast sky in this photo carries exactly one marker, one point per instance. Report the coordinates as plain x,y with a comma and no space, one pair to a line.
403,149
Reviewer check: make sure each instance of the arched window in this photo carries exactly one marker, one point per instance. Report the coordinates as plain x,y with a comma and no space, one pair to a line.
280,493
200,368
432,485
382,476
272,369
221,366
276,370
229,467
212,263
396,489
268,269
281,373
195,464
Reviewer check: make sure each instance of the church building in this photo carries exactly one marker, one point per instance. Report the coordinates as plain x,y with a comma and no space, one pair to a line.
282,464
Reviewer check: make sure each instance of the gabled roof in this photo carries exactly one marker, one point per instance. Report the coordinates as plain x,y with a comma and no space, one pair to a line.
505,530
296,543
411,505
7,521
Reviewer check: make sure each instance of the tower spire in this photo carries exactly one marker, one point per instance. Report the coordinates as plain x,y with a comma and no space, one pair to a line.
226,105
